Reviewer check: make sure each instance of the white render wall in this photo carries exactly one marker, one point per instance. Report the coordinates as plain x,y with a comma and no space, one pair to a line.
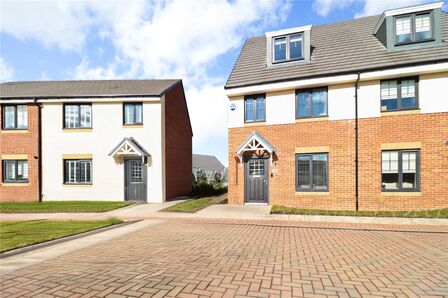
280,105
107,131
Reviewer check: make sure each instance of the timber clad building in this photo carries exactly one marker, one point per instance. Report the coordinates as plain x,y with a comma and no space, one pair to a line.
343,116
95,140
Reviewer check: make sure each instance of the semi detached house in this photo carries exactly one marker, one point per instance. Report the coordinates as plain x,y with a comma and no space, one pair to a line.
343,116
95,140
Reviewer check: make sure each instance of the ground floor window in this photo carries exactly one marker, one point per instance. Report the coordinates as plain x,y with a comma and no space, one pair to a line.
15,171
312,172
77,171
400,170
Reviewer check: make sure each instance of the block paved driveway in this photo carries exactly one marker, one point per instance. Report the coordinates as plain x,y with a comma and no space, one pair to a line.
192,258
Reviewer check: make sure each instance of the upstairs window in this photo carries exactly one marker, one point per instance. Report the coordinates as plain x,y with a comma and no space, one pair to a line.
255,107
311,103
133,113
15,117
399,94
288,48
413,28
15,171
78,116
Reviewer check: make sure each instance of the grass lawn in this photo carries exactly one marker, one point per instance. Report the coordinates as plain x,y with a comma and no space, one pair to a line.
23,233
439,213
60,206
194,205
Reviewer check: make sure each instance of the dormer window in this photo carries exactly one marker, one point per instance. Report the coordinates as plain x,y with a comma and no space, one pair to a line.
288,48
412,28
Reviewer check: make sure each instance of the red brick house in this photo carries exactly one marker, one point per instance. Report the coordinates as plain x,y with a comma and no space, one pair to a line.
350,115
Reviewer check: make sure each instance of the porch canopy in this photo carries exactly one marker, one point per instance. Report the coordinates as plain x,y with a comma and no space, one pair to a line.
129,147
255,143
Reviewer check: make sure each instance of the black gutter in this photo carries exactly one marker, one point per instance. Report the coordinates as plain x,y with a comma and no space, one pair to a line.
39,149
356,144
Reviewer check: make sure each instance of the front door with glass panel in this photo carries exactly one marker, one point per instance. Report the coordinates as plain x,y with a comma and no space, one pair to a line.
256,180
135,180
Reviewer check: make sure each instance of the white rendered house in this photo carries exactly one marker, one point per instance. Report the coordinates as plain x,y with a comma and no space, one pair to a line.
112,140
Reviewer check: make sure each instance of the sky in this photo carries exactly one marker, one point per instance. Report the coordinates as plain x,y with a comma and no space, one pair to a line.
197,41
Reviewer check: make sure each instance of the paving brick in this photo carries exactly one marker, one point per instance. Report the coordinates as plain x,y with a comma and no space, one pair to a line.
197,258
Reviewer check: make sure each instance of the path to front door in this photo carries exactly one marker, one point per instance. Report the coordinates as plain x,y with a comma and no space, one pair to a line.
256,187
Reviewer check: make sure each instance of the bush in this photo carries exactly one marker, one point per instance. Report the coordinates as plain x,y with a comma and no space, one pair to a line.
202,187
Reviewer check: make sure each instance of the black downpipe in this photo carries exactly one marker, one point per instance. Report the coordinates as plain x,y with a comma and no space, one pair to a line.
39,149
356,144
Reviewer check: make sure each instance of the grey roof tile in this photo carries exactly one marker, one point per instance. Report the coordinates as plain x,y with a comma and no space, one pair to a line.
93,88
207,162
343,47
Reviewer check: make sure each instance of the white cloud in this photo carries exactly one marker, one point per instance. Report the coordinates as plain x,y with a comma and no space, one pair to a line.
373,7
6,71
324,7
370,7
54,23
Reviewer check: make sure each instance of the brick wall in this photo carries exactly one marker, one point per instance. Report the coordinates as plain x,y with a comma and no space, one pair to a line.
178,144
431,130
23,142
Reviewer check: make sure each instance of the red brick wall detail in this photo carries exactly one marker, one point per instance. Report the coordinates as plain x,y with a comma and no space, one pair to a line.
178,144
429,129
21,143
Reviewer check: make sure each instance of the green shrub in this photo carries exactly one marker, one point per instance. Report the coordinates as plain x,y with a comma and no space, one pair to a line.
204,188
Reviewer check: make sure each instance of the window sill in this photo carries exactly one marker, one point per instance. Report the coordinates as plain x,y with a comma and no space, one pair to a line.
15,184
312,193
312,119
77,130
132,125
77,185
401,193
400,112
255,123
15,131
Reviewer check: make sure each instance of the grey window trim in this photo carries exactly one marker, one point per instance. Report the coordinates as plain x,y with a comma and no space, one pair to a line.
298,188
254,97
16,169
311,102
400,171
399,98
288,59
77,174
15,117
124,114
413,15
79,115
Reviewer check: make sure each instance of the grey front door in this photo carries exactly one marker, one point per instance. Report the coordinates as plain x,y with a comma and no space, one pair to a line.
256,180
135,180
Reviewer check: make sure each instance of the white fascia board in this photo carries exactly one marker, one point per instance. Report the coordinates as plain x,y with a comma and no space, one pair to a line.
331,80
101,99
15,101
406,10
288,31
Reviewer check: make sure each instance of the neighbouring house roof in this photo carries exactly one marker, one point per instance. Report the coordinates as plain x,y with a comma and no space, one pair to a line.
207,162
338,48
93,88
255,142
129,146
